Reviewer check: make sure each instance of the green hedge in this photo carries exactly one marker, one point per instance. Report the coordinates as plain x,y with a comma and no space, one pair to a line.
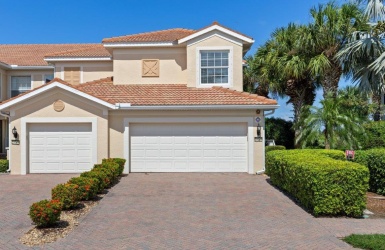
272,148
374,136
322,184
4,165
374,159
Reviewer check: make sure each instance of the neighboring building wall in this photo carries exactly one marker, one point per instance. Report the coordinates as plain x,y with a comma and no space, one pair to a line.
42,107
215,40
89,71
116,128
36,79
128,65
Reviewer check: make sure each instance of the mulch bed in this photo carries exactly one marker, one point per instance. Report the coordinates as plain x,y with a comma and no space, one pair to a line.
376,205
68,221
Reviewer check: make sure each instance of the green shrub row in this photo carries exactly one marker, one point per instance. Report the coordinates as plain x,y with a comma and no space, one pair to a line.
320,180
4,164
272,148
67,196
374,160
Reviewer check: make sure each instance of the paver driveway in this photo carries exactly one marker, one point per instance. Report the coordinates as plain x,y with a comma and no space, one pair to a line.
184,211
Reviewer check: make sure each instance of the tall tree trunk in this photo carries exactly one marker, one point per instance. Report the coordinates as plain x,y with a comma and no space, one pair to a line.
301,94
376,98
331,79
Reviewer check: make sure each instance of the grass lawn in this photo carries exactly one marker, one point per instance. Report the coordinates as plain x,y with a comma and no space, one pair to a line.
367,241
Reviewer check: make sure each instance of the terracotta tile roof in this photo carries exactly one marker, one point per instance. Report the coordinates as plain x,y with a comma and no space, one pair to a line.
169,35
168,94
33,54
162,94
96,51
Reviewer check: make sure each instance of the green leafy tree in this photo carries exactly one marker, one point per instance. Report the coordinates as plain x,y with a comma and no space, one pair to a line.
330,123
281,131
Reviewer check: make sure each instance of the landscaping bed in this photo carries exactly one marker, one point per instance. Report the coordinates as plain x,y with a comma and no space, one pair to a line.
57,217
366,241
69,219
376,205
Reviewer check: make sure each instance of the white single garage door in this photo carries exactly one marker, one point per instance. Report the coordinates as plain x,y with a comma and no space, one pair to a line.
188,147
60,148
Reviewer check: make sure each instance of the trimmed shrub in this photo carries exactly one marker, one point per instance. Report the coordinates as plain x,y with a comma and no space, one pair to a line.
272,148
88,187
119,161
374,159
374,135
104,181
4,165
323,185
45,213
67,194
109,173
110,166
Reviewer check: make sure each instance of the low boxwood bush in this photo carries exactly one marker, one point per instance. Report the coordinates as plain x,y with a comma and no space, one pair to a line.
67,194
109,173
4,165
45,213
112,167
119,161
323,185
374,159
88,187
104,180
272,148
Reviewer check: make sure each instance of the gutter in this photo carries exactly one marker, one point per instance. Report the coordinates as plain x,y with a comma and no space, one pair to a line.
271,112
30,67
127,106
7,116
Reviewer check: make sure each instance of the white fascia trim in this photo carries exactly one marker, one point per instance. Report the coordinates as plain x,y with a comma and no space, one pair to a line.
198,107
216,35
51,86
64,59
216,27
31,67
24,134
134,44
5,65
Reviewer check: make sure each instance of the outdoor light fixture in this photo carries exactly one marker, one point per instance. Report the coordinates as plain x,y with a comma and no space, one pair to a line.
14,132
258,138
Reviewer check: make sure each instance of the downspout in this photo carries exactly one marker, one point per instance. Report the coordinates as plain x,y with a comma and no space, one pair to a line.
264,169
7,116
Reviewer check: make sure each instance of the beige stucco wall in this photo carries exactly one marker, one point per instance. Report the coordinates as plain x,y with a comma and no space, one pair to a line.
89,70
116,128
128,65
36,78
42,107
213,40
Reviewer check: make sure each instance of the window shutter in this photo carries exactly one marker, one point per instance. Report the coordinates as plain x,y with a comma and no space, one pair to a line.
72,75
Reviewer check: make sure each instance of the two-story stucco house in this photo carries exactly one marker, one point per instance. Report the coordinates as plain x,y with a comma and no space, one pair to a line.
168,101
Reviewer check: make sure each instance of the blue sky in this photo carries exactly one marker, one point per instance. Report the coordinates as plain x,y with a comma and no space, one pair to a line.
85,21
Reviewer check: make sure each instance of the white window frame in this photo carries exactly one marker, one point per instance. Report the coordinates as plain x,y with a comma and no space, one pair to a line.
10,83
198,66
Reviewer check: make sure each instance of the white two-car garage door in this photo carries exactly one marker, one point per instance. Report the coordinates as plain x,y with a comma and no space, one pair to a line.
60,148
182,147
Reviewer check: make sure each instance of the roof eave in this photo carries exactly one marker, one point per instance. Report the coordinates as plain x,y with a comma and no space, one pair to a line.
138,44
244,39
57,59
199,107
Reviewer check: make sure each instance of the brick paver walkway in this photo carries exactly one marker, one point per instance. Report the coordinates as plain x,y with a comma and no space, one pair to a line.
182,211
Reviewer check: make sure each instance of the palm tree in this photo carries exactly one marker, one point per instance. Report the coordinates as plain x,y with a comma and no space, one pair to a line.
330,124
362,57
328,32
282,65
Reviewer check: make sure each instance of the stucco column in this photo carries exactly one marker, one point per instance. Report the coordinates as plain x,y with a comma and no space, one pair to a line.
259,146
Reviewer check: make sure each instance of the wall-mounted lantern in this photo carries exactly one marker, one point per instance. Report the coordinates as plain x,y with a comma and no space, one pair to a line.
14,132
16,140
258,138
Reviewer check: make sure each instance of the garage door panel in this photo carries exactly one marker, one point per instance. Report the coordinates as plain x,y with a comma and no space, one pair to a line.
188,147
60,148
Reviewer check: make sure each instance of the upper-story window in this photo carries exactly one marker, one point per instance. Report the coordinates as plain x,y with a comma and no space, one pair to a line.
20,84
48,78
214,67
